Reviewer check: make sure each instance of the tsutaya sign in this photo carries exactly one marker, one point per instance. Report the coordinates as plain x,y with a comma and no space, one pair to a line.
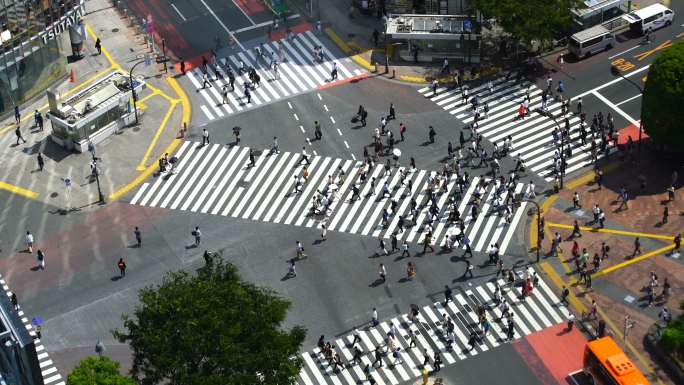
71,18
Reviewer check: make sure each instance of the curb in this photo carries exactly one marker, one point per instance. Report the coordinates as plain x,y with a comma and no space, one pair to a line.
341,44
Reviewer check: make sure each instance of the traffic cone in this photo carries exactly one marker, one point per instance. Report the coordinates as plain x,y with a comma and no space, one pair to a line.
72,77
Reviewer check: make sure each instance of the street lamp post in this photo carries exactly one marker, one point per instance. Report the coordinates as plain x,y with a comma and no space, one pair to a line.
135,96
539,226
96,171
616,72
163,41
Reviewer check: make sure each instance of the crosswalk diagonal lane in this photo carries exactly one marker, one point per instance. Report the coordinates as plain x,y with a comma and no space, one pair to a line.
200,171
246,169
293,199
196,156
350,169
305,214
258,188
315,176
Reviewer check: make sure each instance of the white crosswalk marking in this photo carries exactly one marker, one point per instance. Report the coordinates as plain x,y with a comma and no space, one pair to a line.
299,72
216,179
318,371
532,137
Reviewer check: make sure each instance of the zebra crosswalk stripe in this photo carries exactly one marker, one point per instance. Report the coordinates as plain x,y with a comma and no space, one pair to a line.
218,180
528,314
299,72
532,136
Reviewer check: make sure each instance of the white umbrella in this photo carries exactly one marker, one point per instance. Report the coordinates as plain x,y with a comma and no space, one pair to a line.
396,152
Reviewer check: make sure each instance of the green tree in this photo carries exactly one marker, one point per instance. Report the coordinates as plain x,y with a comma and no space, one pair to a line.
211,328
98,371
672,336
662,113
528,20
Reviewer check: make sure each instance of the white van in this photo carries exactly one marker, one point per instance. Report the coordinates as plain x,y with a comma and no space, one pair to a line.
649,18
591,40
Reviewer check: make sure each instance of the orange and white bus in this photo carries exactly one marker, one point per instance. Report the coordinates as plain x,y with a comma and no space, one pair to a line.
608,365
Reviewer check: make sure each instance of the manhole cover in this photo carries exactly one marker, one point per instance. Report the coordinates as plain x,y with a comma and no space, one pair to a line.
115,30
243,184
54,195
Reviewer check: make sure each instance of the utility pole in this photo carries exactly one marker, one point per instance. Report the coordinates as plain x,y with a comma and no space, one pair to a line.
616,72
629,323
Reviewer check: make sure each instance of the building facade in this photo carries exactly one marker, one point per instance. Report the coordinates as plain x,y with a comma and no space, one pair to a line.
36,39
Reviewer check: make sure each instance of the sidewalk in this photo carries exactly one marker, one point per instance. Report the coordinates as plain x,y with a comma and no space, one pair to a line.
620,285
162,107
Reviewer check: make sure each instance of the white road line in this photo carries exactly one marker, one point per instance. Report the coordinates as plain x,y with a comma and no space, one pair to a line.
339,132
353,156
234,162
628,100
302,128
610,83
289,105
332,119
264,24
206,112
140,192
326,107
616,108
308,141
223,25
624,52
319,96
178,12
346,144
244,13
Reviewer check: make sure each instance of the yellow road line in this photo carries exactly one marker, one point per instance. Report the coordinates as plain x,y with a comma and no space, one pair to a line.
18,190
161,93
611,231
109,57
340,43
154,93
155,139
633,260
143,175
549,270
183,97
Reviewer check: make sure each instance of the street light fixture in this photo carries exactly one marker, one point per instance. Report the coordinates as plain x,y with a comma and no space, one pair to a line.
135,96
96,171
539,226
616,72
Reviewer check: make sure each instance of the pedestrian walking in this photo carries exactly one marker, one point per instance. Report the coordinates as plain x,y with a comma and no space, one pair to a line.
469,269
392,113
205,81
17,132
205,137
324,232
437,362
224,93
431,134
637,247
182,66
292,268
247,94
402,130
318,134
252,158
448,295
576,201
374,317
405,250
41,161
576,233
15,302
305,157
427,243
666,213
382,272
98,46
122,267
29,242
564,295
41,259
197,234
17,114
333,71
677,243
410,270
138,236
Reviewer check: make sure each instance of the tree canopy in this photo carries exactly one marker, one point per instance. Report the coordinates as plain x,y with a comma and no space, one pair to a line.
673,336
98,371
211,328
528,20
662,113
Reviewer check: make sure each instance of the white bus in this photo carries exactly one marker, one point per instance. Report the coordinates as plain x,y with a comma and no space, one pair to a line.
650,18
592,40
